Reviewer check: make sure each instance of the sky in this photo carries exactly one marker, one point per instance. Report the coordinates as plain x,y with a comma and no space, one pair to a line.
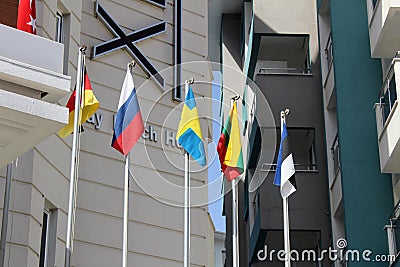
214,170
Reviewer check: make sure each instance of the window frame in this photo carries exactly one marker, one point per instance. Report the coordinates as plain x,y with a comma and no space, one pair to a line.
60,20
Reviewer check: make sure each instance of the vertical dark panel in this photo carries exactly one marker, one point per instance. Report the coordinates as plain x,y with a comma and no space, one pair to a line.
9,12
177,94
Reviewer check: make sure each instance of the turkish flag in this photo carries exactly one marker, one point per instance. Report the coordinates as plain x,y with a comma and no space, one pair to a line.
27,16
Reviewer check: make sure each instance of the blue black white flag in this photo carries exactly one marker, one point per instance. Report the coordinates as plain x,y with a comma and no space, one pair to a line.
285,172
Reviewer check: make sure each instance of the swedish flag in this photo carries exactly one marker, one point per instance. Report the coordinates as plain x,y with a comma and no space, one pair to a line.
189,132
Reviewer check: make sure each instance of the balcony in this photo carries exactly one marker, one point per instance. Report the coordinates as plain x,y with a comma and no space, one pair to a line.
286,55
329,83
31,82
384,31
388,120
335,184
393,234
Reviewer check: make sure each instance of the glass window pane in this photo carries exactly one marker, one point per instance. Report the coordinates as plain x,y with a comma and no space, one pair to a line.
43,241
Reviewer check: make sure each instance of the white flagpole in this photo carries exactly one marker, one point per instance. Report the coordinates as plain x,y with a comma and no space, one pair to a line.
186,244
126,215
235,243
235,230
186,228
286,231
74,157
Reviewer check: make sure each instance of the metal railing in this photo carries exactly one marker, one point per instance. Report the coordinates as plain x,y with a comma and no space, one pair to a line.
394,226
388,94
298,167
329,51
335,155
270,70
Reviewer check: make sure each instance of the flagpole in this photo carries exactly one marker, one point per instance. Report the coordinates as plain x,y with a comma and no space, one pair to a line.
6,208
126,201
186,228
286,229
126,214
235,254
74,158
235,239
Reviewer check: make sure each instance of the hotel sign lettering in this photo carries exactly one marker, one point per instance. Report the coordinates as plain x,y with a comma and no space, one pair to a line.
150,132
127,41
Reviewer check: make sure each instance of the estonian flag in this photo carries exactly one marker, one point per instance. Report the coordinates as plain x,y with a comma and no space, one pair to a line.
284,176
189,132
128,125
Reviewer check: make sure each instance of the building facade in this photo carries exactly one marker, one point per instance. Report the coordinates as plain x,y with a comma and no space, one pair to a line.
352,81
270,57
40,179
382,19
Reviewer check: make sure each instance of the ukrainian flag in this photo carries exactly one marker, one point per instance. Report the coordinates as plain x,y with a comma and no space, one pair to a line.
189,132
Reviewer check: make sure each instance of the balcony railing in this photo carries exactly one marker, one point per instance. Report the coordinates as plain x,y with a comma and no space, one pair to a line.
271,70
328,51
393,231
298,167
335,155
388,94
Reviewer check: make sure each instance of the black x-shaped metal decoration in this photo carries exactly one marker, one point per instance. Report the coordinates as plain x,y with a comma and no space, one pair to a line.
123,40
159,3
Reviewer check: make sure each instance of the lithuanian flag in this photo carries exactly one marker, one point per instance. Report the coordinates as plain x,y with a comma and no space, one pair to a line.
88,107
229,147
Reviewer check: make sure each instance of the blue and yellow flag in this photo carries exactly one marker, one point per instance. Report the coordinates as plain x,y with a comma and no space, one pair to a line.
189,132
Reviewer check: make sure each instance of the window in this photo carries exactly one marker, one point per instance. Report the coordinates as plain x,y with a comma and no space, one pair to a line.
284,54
302,147
48,236
59,27
44,241
63,20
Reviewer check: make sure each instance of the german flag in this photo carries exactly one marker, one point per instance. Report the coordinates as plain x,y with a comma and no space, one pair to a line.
229,147
88,107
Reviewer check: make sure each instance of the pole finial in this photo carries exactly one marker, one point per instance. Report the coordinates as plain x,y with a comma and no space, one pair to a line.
190,81
83,48
235,97
131,64
285,112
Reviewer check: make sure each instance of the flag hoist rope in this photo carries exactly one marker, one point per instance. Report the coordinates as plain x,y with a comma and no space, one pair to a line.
286,233
186,227
74,157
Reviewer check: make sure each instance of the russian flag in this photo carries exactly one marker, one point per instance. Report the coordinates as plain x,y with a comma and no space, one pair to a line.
128,125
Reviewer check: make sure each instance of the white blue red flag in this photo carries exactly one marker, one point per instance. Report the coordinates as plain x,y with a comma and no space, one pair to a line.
128,125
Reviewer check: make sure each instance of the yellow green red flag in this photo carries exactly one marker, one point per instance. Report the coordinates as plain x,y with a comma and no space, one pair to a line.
229,147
